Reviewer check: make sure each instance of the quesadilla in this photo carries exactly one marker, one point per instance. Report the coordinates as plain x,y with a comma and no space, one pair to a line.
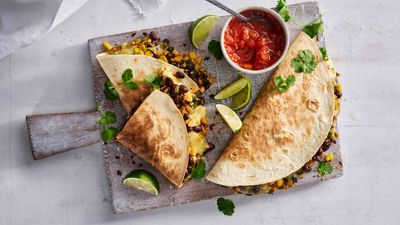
141,66
283,130
156,132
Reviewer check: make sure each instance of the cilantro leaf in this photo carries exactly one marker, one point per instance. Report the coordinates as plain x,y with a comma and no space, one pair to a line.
107,118
153,81
314,28
283,10
226,206
282,85
109,133
304,62
324,53
214,47
199,171
127,76
324,169
109,91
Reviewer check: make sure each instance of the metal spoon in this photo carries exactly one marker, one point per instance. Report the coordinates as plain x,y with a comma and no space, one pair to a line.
223,7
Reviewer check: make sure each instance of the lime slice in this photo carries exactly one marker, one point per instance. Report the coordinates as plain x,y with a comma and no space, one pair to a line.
142,180
233,88
230,117
201,28
242,98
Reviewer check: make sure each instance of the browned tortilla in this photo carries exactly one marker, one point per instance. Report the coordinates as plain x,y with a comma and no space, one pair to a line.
157,133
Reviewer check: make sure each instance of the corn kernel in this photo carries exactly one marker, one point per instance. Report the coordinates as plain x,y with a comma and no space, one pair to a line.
163,58
185,58
141,52
107,45
175,52
329,157
279,183
199,60
197,67
136,50
192,55
178,58
148,53
137,41
142,47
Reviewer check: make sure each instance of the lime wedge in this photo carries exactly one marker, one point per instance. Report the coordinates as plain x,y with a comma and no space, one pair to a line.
201,28
142,180
230,117
233,88
242,98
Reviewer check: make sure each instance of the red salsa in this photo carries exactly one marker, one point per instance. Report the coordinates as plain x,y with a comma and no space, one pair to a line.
257,45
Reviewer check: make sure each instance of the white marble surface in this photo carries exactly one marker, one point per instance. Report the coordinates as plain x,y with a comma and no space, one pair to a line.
53,75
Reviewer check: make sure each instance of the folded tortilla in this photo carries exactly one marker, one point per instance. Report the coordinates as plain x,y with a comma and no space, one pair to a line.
157,133
283,130
142,66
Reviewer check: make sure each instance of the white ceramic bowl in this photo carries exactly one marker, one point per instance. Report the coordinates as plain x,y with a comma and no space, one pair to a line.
285,31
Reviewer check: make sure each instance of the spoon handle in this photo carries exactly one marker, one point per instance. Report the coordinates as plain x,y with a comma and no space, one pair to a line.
222,6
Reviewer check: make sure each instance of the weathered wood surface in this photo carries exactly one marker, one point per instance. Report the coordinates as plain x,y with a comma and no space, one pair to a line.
120,161
51,134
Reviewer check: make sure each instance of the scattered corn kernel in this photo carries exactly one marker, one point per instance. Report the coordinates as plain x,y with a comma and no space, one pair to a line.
178,58
192,55
137,41
136,50
199,60
107,45
141,52
148,53
279,183
142,48
175,52
163,58
204,121
329,157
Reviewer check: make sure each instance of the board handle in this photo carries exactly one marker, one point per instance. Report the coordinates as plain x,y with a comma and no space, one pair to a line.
52,134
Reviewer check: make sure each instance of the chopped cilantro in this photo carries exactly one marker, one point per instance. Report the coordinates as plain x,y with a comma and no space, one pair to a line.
153,81
226,206
199,171
314,28
214,47
324,53
283,10
324,169
282,85
127,76
304,62
107,118
109,91
109,133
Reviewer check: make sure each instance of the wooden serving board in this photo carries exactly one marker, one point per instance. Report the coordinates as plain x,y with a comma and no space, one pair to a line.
51,134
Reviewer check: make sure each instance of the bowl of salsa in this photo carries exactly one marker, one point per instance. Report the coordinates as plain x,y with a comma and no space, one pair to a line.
258,46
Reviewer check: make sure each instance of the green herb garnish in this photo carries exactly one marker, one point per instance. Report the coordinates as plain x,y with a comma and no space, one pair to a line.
314,28
214,47
304,62
127,76
199,171
324,53
226,206
109,91
283,10
107,118
324,169
282,85
109,133
153,81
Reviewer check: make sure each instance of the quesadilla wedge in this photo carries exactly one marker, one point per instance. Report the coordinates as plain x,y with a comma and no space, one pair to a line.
141,66
284,129
157,133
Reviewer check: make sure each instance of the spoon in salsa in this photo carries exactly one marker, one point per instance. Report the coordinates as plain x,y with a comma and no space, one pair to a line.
238,15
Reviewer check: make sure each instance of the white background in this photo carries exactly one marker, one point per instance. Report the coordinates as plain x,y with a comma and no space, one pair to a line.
53,75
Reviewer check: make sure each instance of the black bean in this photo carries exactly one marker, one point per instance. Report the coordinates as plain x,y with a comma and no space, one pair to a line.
165,41
186,116
144,33
169,82
191,161
325,146
197,129
211,146
338,94
183,89
201,101
188,128
180,75
153,35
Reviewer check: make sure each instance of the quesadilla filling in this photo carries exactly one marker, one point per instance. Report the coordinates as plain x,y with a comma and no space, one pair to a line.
190,104
320,156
